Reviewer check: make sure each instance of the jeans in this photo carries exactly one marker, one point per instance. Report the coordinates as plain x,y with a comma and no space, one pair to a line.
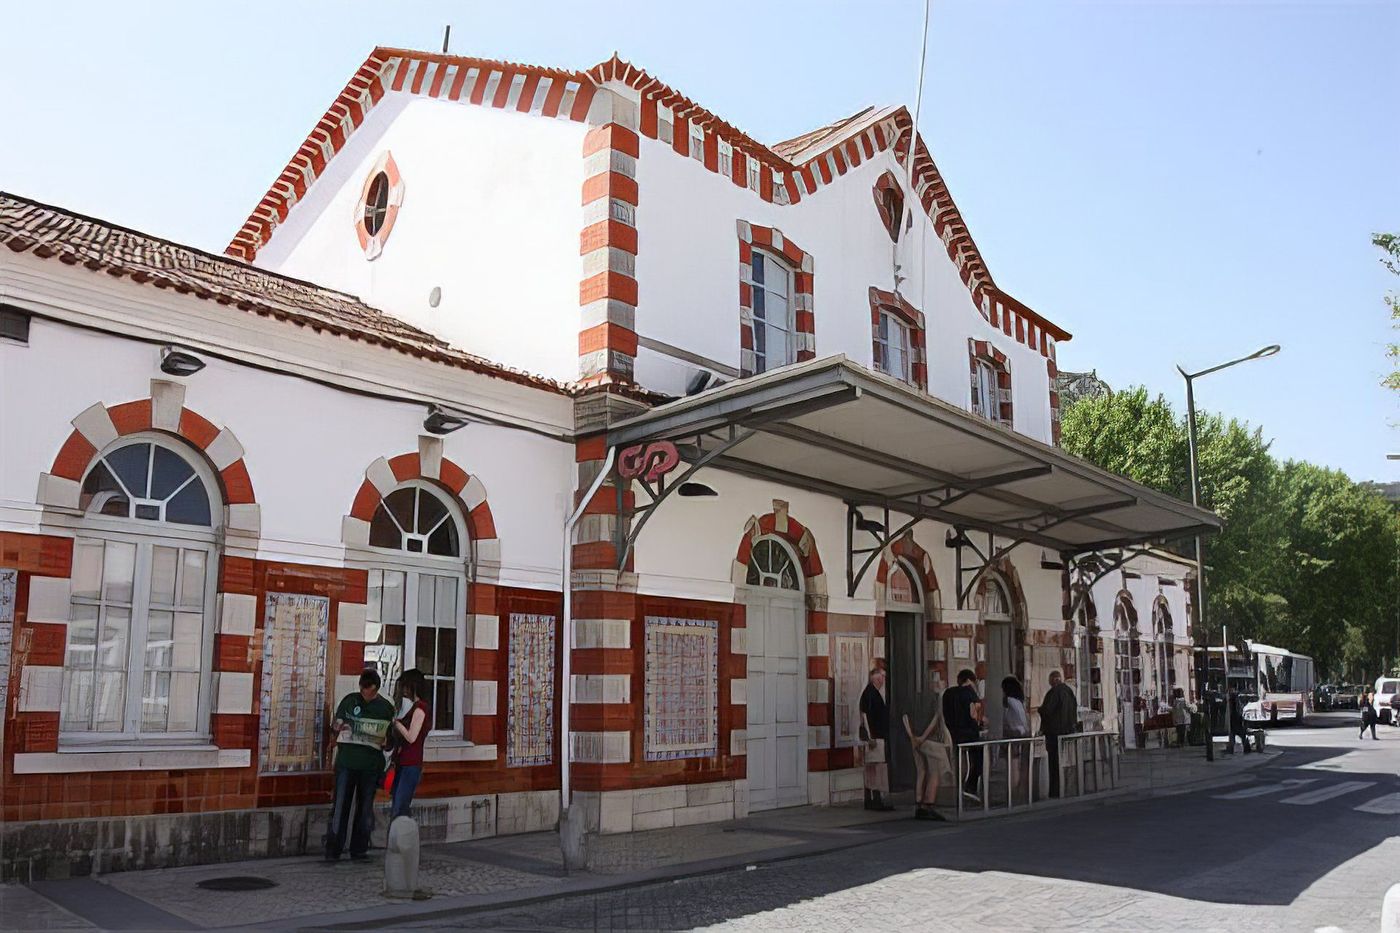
351,787
401,795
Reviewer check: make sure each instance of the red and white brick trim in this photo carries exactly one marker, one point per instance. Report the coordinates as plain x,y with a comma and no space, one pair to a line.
548,92
918,333
804,324
999,409
373,243
383,476
100,426
607,293
664,114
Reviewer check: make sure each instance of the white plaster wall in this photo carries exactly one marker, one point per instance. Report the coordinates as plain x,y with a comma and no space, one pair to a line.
688,549
491,215
688,277
306,445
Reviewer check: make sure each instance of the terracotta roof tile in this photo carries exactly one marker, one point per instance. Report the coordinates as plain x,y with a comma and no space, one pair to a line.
54,233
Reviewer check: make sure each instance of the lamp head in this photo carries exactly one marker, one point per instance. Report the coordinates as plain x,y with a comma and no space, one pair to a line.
1270,350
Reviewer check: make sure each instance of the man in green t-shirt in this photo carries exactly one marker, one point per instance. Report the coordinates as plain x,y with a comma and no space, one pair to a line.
361,725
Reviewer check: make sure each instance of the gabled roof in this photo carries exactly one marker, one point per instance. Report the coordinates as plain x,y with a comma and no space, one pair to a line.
797,168
28,226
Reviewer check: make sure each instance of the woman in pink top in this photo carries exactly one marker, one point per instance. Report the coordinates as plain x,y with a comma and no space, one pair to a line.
411,730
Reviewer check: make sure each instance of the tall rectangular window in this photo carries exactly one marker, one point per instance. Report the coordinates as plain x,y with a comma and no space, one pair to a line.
772,312
134,663
413,621
892,347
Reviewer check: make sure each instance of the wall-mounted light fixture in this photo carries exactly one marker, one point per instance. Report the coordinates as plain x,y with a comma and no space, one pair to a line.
693,490
176,362
955,539
444,421
1050,561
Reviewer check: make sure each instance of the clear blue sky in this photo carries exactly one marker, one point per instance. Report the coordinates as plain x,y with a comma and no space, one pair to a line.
1172,182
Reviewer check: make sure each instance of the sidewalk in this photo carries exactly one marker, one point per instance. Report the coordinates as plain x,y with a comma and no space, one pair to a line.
505,870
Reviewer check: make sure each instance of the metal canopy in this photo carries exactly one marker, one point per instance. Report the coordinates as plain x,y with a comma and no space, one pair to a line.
830,426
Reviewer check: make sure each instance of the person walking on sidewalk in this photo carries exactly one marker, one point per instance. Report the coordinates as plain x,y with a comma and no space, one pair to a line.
962,711
411,732
1368,715
931,744
1059,715
1181,716
875,730
361,725
1237,723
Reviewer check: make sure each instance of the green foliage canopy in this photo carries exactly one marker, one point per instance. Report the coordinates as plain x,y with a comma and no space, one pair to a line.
1307,559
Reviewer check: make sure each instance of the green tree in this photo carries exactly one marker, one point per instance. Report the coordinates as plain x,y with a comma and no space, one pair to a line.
1306,559
1390,244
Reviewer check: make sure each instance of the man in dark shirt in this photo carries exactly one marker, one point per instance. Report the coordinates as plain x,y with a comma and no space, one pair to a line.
361,726
875,722
962,711
1059,715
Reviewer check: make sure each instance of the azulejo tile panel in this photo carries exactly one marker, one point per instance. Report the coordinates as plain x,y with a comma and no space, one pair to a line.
682,688
530,722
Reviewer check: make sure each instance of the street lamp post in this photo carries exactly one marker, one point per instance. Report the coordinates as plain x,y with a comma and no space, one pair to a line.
1196,501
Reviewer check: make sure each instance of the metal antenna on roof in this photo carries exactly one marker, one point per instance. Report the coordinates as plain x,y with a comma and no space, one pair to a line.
446,37
909,156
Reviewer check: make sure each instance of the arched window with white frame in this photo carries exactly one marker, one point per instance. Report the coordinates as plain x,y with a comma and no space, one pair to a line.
418,595
145,557
772,565
1166,640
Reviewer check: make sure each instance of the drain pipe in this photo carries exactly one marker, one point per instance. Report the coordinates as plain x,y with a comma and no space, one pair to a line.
571,826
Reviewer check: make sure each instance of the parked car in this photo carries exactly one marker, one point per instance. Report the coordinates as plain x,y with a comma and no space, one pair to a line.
1388,699
1324,697
1347,697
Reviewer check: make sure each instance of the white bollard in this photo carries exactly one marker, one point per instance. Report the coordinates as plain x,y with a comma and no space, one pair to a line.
401,859
1390,910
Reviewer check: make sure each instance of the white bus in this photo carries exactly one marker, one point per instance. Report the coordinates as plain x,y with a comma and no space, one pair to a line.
1284,684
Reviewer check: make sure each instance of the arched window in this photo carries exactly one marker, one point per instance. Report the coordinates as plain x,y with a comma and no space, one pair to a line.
900,586
417,597
1126,662
139,647
1166,641
1084,656
771,565
995,603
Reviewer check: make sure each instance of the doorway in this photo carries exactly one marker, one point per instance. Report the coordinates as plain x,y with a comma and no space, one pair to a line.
904,661
1001,661
777,679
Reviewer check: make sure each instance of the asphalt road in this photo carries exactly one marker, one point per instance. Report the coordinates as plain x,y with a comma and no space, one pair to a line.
1309,843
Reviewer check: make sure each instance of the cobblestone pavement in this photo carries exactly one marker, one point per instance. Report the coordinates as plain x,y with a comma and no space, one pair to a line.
1309,843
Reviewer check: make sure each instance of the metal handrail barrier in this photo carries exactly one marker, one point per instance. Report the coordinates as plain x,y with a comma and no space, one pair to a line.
1021,756
1098,752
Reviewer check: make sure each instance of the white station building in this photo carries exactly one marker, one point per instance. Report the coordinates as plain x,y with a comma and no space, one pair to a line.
558,387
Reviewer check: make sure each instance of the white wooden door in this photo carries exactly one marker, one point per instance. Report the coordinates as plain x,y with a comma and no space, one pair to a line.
777,707
999,665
